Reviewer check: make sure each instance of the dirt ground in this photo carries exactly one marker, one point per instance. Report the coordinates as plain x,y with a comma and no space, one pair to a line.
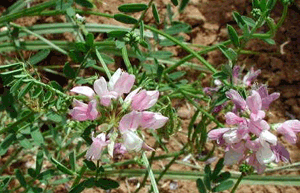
280,65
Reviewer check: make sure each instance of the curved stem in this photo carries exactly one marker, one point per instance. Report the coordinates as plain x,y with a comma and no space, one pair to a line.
184,46
283,16
237,183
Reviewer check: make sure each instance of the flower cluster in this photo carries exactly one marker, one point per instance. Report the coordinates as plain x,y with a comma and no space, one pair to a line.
123,135
237,80
250,139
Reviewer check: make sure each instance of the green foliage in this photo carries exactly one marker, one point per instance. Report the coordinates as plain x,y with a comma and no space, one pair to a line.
125,19
155,13
214,180
183,5
35,107
134,7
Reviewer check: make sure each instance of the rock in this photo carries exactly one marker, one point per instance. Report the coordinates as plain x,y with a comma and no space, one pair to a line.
193,16
184,113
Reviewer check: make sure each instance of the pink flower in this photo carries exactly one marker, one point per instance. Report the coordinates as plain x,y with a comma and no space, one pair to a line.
236,99
142,100
83,112
235,154
254,103
265,154
130,121
217,134
289,129
152,120
231,136
145,119
133,142
84,90
100,87
281,153
120,83
232,119
256,127
252,160
119,149
99,142
250,76
266,98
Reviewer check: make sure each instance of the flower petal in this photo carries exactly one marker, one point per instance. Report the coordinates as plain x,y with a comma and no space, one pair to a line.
84,90
153,120
115,77
267,136
265,155
254,102
232,118
236,99
130,121
124,83
132,142
100,86
92,110
144,100
215,134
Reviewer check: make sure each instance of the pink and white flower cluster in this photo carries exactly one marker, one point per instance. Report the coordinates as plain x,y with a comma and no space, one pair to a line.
249,138
138,102
237,80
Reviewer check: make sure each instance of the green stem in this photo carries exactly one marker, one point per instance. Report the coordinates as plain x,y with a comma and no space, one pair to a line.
146,175
82,12
143,15
237,183
171,163
97,171
26,12
107,72
150,172
126,60
195,104
184,46
78,69
79,176
12,126
40,37
283,16
191,56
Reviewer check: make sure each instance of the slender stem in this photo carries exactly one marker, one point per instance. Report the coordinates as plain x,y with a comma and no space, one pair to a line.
184,46
126,60
195,104
237,183
171,163
152,178
78,69
57,12
79,176
143,15
40,37
283,16
12,126
25,12
97,171
103,64
146,175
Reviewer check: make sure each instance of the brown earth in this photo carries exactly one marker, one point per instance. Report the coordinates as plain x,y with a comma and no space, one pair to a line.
280,65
